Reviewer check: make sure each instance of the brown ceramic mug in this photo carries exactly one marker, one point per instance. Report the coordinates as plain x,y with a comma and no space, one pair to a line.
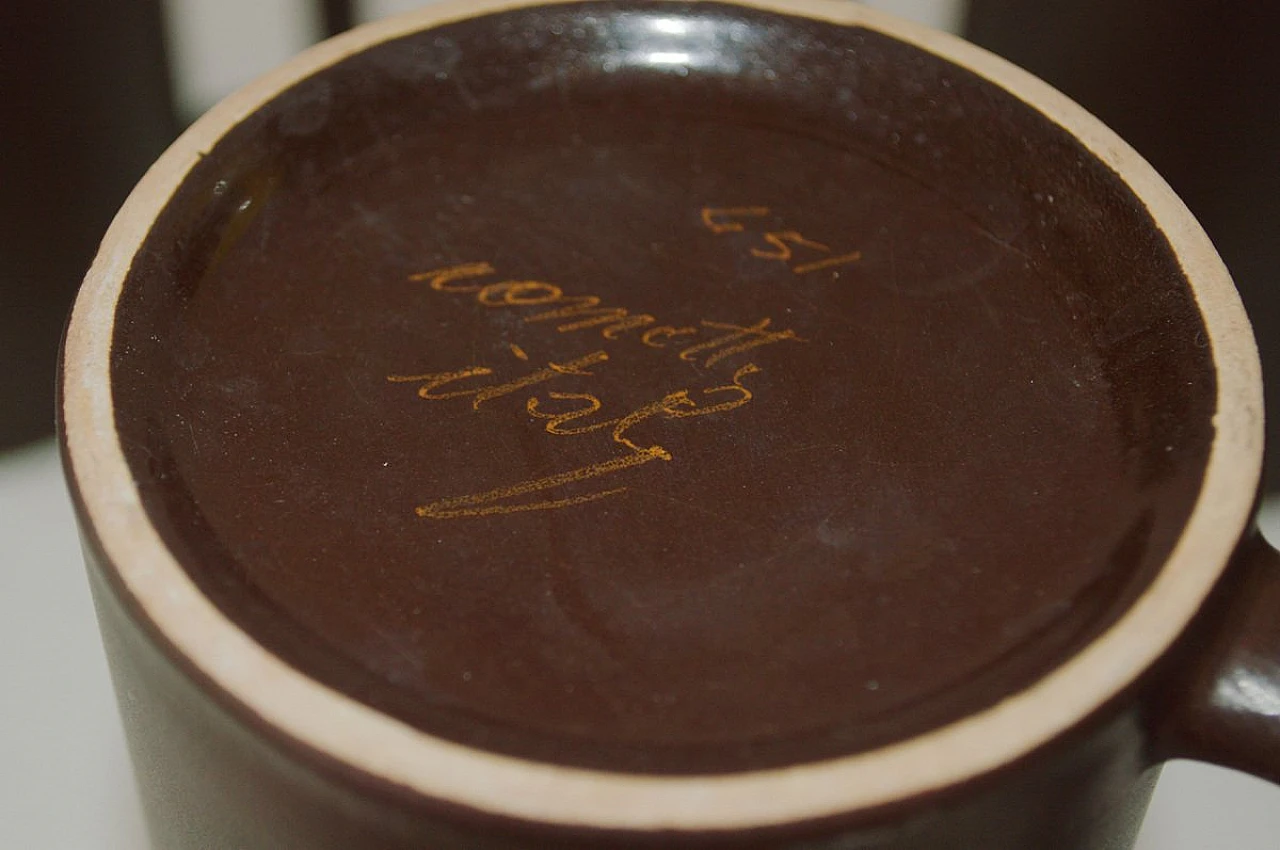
666,424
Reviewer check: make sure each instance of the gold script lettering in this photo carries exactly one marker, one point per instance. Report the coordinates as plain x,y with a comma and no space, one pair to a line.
571,415
483,504
519,293
440,279
616,319
556,422
755,336
782,240
664,332
713,217
585,311
676,405
720,220
431,381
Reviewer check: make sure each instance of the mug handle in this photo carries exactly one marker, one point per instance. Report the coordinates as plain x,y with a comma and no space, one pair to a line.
1222,703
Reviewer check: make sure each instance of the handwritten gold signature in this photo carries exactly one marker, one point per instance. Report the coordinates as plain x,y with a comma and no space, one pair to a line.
566,423
574,414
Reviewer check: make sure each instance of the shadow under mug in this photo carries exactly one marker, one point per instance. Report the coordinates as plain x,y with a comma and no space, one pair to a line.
666,424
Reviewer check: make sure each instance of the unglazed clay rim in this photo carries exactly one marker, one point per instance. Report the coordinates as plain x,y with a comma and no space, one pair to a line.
352,733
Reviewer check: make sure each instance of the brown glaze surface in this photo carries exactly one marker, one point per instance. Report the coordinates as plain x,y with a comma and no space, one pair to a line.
1086,791
1220,701
350,361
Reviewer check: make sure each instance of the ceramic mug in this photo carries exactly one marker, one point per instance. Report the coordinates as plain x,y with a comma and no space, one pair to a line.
666,424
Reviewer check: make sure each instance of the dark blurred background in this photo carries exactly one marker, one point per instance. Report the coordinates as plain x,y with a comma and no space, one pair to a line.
84,108
91,91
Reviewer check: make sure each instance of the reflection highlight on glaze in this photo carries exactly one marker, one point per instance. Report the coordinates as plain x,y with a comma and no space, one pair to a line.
1248,691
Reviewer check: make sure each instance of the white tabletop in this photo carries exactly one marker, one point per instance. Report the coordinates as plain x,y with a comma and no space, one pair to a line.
64,773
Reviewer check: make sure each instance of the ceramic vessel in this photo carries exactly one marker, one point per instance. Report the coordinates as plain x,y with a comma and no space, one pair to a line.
666,424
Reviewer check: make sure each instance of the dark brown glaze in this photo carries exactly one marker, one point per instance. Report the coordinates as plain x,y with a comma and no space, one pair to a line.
1222,691
212,777
966,439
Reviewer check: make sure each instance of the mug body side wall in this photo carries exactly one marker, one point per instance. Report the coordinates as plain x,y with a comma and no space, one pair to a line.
210,777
